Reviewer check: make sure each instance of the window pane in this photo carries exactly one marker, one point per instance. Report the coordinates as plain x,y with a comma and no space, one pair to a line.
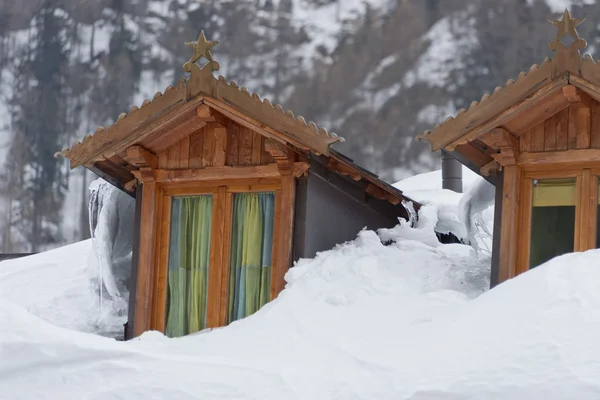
189,253
552,219
250,254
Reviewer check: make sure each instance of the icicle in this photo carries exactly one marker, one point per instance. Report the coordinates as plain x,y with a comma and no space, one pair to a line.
412,214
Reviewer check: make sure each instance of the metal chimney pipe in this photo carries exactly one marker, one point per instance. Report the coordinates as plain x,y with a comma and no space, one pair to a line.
451,173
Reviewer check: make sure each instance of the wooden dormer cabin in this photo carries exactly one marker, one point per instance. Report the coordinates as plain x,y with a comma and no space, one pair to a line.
229,190
538,140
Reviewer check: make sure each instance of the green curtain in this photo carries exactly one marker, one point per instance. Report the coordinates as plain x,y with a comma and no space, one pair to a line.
189,253
251,248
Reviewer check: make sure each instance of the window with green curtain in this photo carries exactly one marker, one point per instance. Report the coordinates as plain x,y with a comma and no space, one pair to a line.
552,219
189,254
250,254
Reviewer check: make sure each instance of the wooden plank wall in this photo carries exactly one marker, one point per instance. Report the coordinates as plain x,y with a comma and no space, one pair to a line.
215,145
571,128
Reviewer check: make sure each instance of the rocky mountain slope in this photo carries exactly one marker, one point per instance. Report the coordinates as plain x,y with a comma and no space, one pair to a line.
375,71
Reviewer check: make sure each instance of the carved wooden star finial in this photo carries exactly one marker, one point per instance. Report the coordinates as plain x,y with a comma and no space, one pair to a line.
201,48
567,25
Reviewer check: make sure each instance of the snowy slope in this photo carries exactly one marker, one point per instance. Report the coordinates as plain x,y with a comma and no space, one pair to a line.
427,189
61,286
361,321
330,334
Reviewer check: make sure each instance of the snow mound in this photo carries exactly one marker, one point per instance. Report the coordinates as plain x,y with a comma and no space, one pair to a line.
328,335
60,286
427,189
361,321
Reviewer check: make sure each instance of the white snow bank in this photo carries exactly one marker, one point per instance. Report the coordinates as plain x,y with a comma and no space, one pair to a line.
361,321
357,322
59,286
427,189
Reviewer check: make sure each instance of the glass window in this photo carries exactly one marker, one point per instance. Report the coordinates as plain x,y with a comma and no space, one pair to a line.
250,254
189,254
552,219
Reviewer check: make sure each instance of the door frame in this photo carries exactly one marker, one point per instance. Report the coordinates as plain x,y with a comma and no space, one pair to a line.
585,211
218,281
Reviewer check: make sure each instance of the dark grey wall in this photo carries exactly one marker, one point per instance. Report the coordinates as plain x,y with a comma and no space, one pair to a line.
134,262
331,209
497,230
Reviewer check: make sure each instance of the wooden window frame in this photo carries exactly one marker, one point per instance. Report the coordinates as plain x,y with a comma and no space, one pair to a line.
586,177
218,281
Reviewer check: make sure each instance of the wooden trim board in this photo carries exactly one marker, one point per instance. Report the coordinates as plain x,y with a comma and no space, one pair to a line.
218,289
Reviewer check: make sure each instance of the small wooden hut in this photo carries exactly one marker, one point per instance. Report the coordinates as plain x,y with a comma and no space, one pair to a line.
229,191
537,139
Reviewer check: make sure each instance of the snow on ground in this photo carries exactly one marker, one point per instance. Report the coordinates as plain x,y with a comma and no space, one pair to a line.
60,286
335,332
427,189
361,321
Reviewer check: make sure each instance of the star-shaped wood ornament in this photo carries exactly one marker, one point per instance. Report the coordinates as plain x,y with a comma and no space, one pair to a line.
567,25
201,48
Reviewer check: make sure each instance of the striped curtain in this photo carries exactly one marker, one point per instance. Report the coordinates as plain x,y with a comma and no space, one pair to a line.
250,257
189,252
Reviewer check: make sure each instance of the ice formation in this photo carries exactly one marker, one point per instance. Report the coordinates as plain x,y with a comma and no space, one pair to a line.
111,225
477,200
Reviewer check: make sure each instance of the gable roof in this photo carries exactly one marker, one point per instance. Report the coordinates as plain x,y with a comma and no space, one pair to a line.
202,87
181,110
547,88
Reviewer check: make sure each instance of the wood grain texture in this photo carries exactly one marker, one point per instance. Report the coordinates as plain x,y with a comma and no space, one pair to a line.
196,148
162,266
266,157
245,152
163,159
284,232
233,143
213,313
567,157
174,153
510,210
562,129
257,148
525,142
184,158
209,145
143,299
220,146
225,259
524,226
537,138
157,309
501,107
218,173
591,218
579,126
550,134
582,210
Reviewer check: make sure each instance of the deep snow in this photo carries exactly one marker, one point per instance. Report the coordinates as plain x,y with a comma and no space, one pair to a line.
61,287
410,320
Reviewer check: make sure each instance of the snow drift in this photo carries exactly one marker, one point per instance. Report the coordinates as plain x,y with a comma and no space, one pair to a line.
61,286
407,320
